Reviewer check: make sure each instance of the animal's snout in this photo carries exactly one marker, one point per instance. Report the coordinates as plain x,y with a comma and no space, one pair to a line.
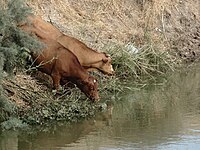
96,98
112,72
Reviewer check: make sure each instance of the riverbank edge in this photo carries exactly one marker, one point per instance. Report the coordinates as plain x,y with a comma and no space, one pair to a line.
39,106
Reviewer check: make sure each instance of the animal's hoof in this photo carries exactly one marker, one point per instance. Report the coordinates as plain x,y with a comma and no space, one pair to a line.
103,106
54,92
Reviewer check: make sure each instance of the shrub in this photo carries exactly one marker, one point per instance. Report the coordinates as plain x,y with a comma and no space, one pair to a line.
13,42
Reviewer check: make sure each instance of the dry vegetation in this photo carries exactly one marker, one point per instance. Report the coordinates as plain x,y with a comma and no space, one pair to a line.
36,104
156,27
170,23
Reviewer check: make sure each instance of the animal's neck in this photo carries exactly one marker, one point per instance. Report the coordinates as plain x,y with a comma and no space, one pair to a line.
89,57
80,82
84,54
80,74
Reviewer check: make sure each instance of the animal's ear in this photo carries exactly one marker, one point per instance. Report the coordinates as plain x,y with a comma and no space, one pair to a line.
105,60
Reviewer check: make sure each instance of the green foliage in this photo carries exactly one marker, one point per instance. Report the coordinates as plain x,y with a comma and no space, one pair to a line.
12,39
8,55
69,107
6,107
15,45
17,10
13,123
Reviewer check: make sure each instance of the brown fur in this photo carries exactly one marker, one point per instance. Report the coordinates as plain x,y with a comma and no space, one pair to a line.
88,58
62,65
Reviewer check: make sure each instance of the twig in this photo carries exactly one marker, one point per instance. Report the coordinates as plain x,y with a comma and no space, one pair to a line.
162,20
41,64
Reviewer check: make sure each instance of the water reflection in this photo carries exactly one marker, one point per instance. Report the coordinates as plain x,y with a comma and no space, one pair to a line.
162,117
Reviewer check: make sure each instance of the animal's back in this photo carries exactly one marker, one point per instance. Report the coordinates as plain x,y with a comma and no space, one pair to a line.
55,55
45,27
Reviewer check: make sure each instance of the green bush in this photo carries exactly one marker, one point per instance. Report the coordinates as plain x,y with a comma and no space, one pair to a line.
12,39
13,42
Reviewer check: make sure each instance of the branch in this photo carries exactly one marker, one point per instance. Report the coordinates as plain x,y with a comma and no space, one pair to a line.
41,64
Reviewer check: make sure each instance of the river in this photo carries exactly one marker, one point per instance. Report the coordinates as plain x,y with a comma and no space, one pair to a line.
163,117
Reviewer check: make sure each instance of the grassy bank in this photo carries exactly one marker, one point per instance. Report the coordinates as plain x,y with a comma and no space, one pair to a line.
140,58
35,103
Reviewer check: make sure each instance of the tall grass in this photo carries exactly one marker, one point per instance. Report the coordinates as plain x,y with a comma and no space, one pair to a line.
148,61
136,67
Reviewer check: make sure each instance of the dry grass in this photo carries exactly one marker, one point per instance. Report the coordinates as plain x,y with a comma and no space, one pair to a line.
99,22
21,88
103,23
36,103
95,22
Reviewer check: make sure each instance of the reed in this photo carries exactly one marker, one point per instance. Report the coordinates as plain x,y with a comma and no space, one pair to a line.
149,61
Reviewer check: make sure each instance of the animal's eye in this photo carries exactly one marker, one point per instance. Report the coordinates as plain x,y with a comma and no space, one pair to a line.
95,81
91,88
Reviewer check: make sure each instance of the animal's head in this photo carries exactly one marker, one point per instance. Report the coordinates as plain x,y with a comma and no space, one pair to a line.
106,64
90,88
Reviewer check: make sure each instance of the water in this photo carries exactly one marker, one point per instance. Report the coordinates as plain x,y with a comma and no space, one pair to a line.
157,118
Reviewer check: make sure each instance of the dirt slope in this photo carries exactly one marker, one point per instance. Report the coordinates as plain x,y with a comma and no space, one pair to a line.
101,22
174,25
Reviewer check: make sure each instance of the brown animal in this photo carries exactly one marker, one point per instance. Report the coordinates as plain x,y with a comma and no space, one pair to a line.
88,58
62,65
39,24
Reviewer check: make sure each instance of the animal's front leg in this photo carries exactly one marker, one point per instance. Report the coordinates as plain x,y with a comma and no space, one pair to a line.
56,82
